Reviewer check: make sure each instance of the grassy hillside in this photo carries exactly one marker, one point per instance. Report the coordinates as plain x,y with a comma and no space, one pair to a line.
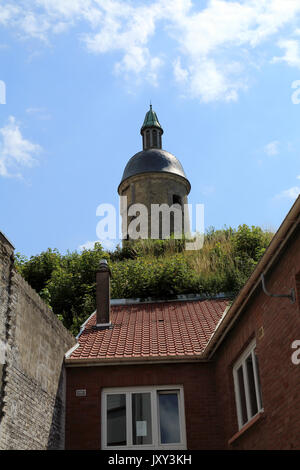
145,268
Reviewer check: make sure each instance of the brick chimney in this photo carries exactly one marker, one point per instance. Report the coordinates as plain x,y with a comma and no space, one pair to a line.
103,294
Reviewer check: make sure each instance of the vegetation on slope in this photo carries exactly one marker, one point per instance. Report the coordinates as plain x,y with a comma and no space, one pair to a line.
145,268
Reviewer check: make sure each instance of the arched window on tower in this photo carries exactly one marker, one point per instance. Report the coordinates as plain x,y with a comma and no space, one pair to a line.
176,220
177,199
147,139
154,138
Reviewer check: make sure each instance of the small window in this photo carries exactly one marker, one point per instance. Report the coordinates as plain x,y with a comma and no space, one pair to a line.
154,138
247,386
147,139
143,418
176,199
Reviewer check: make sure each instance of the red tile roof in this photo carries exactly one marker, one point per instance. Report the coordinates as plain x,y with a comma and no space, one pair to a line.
151,331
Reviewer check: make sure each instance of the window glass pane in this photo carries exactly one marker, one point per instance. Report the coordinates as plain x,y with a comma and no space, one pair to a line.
116,419
251,382
169,418
141,418
242,395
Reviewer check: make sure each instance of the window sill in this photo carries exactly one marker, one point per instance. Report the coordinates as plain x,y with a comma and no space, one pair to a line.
258,417
146,447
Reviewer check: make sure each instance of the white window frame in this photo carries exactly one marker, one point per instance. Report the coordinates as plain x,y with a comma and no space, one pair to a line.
250,350
154,391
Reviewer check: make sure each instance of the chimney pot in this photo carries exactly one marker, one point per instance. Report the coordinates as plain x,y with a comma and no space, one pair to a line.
103,294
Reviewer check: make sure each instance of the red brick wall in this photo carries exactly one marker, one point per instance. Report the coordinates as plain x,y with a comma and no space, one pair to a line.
275,323
83,418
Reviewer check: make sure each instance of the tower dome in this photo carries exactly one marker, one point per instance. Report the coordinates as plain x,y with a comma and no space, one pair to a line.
154,161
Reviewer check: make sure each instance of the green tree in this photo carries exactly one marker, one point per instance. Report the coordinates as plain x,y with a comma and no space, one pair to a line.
251,241
38,269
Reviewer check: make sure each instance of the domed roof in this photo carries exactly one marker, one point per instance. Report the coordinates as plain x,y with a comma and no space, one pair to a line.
153,161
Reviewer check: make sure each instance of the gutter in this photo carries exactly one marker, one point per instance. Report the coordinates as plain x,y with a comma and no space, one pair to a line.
176,298
135,361
278,242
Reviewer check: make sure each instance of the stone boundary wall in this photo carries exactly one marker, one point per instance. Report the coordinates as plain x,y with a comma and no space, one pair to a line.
33,343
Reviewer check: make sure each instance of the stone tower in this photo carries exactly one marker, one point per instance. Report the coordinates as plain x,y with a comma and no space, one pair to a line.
155,179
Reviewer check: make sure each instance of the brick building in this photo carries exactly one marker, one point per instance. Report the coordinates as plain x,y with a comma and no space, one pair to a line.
193,373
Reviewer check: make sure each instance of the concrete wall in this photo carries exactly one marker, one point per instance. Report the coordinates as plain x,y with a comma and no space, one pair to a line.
32,344
275,323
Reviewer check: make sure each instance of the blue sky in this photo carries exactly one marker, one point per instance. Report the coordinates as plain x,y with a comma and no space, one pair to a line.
77,77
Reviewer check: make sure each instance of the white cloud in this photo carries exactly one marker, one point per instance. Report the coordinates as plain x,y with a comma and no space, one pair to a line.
272,148
89,245
292,53
35,26
214,40
39,113
137,60
291,193
8,12
181,74
106,245
210,82
214,44
67,8
127,29
209,40
15,151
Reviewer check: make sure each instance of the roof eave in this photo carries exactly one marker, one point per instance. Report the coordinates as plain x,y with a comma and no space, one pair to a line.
134,361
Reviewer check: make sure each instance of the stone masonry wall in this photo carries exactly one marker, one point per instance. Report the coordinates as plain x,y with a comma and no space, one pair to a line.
32,347
153,188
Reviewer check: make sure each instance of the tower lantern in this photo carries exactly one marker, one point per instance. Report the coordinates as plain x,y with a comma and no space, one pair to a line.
151,131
